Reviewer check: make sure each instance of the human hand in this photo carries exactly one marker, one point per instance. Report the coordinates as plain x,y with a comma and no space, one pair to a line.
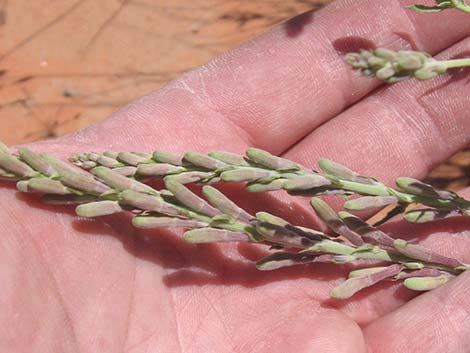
72,285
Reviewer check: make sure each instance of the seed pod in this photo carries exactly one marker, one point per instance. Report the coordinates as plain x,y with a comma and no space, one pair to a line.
43,186
331,219
120,182
72,199
203,161
12,164
245,174
419,188
87,165
386,72
111,154
191,177
269,218
353,285
61,167
341,172
425,272
426,283
283,236
131,158
157,169
384,53
97,209
274,185
365,271
187,198
167,157
284,259
266,159
82,182
225,205
421,253
429,215
229,158
365,230
108,162
369,202
36,162
125,171
212,235
91,156
146,202
149,222
306,182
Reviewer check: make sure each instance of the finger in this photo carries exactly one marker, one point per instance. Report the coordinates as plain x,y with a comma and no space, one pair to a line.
436,321
402,130
275,89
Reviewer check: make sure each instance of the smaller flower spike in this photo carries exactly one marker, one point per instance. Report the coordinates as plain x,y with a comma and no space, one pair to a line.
394,66
442,5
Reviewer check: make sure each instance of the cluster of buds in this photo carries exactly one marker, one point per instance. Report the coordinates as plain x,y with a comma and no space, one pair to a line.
441,5
393,66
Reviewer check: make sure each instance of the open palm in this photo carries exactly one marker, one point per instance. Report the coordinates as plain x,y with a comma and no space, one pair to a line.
74,285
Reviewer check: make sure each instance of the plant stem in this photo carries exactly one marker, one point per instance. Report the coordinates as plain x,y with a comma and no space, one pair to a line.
455,63
394,66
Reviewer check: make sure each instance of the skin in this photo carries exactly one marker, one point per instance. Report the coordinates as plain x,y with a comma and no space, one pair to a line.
74,285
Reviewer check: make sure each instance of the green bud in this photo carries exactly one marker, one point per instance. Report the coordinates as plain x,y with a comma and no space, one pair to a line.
149,222
157,169
131,158
146,202
245,174
36,162
425,283
108,162
189,199
385,72
306,182
201,160
266,159
427,215
225,205
167,157
12,164
352,285
276,184
212,235
365,271
269,218
97,209
43,186
369,202
229,158
283,259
